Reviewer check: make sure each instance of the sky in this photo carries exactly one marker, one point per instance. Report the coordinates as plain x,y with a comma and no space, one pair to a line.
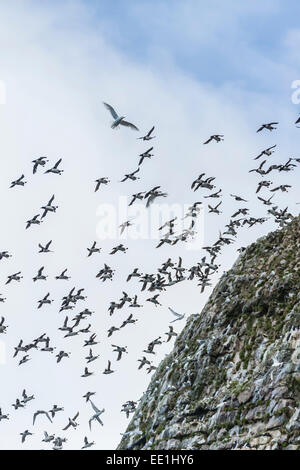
190,68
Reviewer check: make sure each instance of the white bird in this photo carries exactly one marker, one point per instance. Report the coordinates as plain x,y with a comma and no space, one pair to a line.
119,120
179,316
96,416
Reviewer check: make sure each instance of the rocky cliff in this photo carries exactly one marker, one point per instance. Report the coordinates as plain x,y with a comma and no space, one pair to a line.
232,380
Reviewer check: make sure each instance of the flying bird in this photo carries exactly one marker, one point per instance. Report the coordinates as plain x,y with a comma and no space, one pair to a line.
96,416
179,316
41,412
269,126
148,136
119,120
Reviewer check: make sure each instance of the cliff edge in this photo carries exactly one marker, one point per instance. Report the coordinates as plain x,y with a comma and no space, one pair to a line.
232,380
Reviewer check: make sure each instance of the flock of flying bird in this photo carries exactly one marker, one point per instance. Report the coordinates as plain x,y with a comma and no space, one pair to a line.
168,274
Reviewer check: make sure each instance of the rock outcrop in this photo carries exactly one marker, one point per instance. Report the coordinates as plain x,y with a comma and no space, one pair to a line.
232,380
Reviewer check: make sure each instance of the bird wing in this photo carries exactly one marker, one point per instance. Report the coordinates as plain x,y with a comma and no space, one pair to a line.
47,414
94,407
111,110
34,417
90,423
129,124
152,129
174,313
99,420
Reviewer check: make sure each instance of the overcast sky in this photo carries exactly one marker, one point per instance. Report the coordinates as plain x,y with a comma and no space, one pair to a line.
190,68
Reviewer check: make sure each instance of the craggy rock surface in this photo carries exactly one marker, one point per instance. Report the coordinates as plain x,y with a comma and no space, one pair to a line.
233,378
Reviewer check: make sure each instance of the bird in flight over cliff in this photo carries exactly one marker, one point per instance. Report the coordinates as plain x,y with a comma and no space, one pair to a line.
267,152
87,444
238,198
55,169
72,422
179,316
93,249
41,412
266,202
49,207
45,249
216,137
146,154
131,176
41,161
99,181
148,136
96,416
119,120
34,221
25,434
270,126
18,182
170,333
108,369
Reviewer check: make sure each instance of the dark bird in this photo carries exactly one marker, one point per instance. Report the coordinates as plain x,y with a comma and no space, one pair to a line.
72,422
40,276
270,126
238,198
148,136
100,181
216,137
93,249
25,434
267,152
131,176
146,154
34,221
137,196
45,249
19,182
14,277
108,370
55,169
170,333
49,207
41,161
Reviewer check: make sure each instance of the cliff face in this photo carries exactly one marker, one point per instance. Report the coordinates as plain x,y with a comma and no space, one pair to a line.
233,378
